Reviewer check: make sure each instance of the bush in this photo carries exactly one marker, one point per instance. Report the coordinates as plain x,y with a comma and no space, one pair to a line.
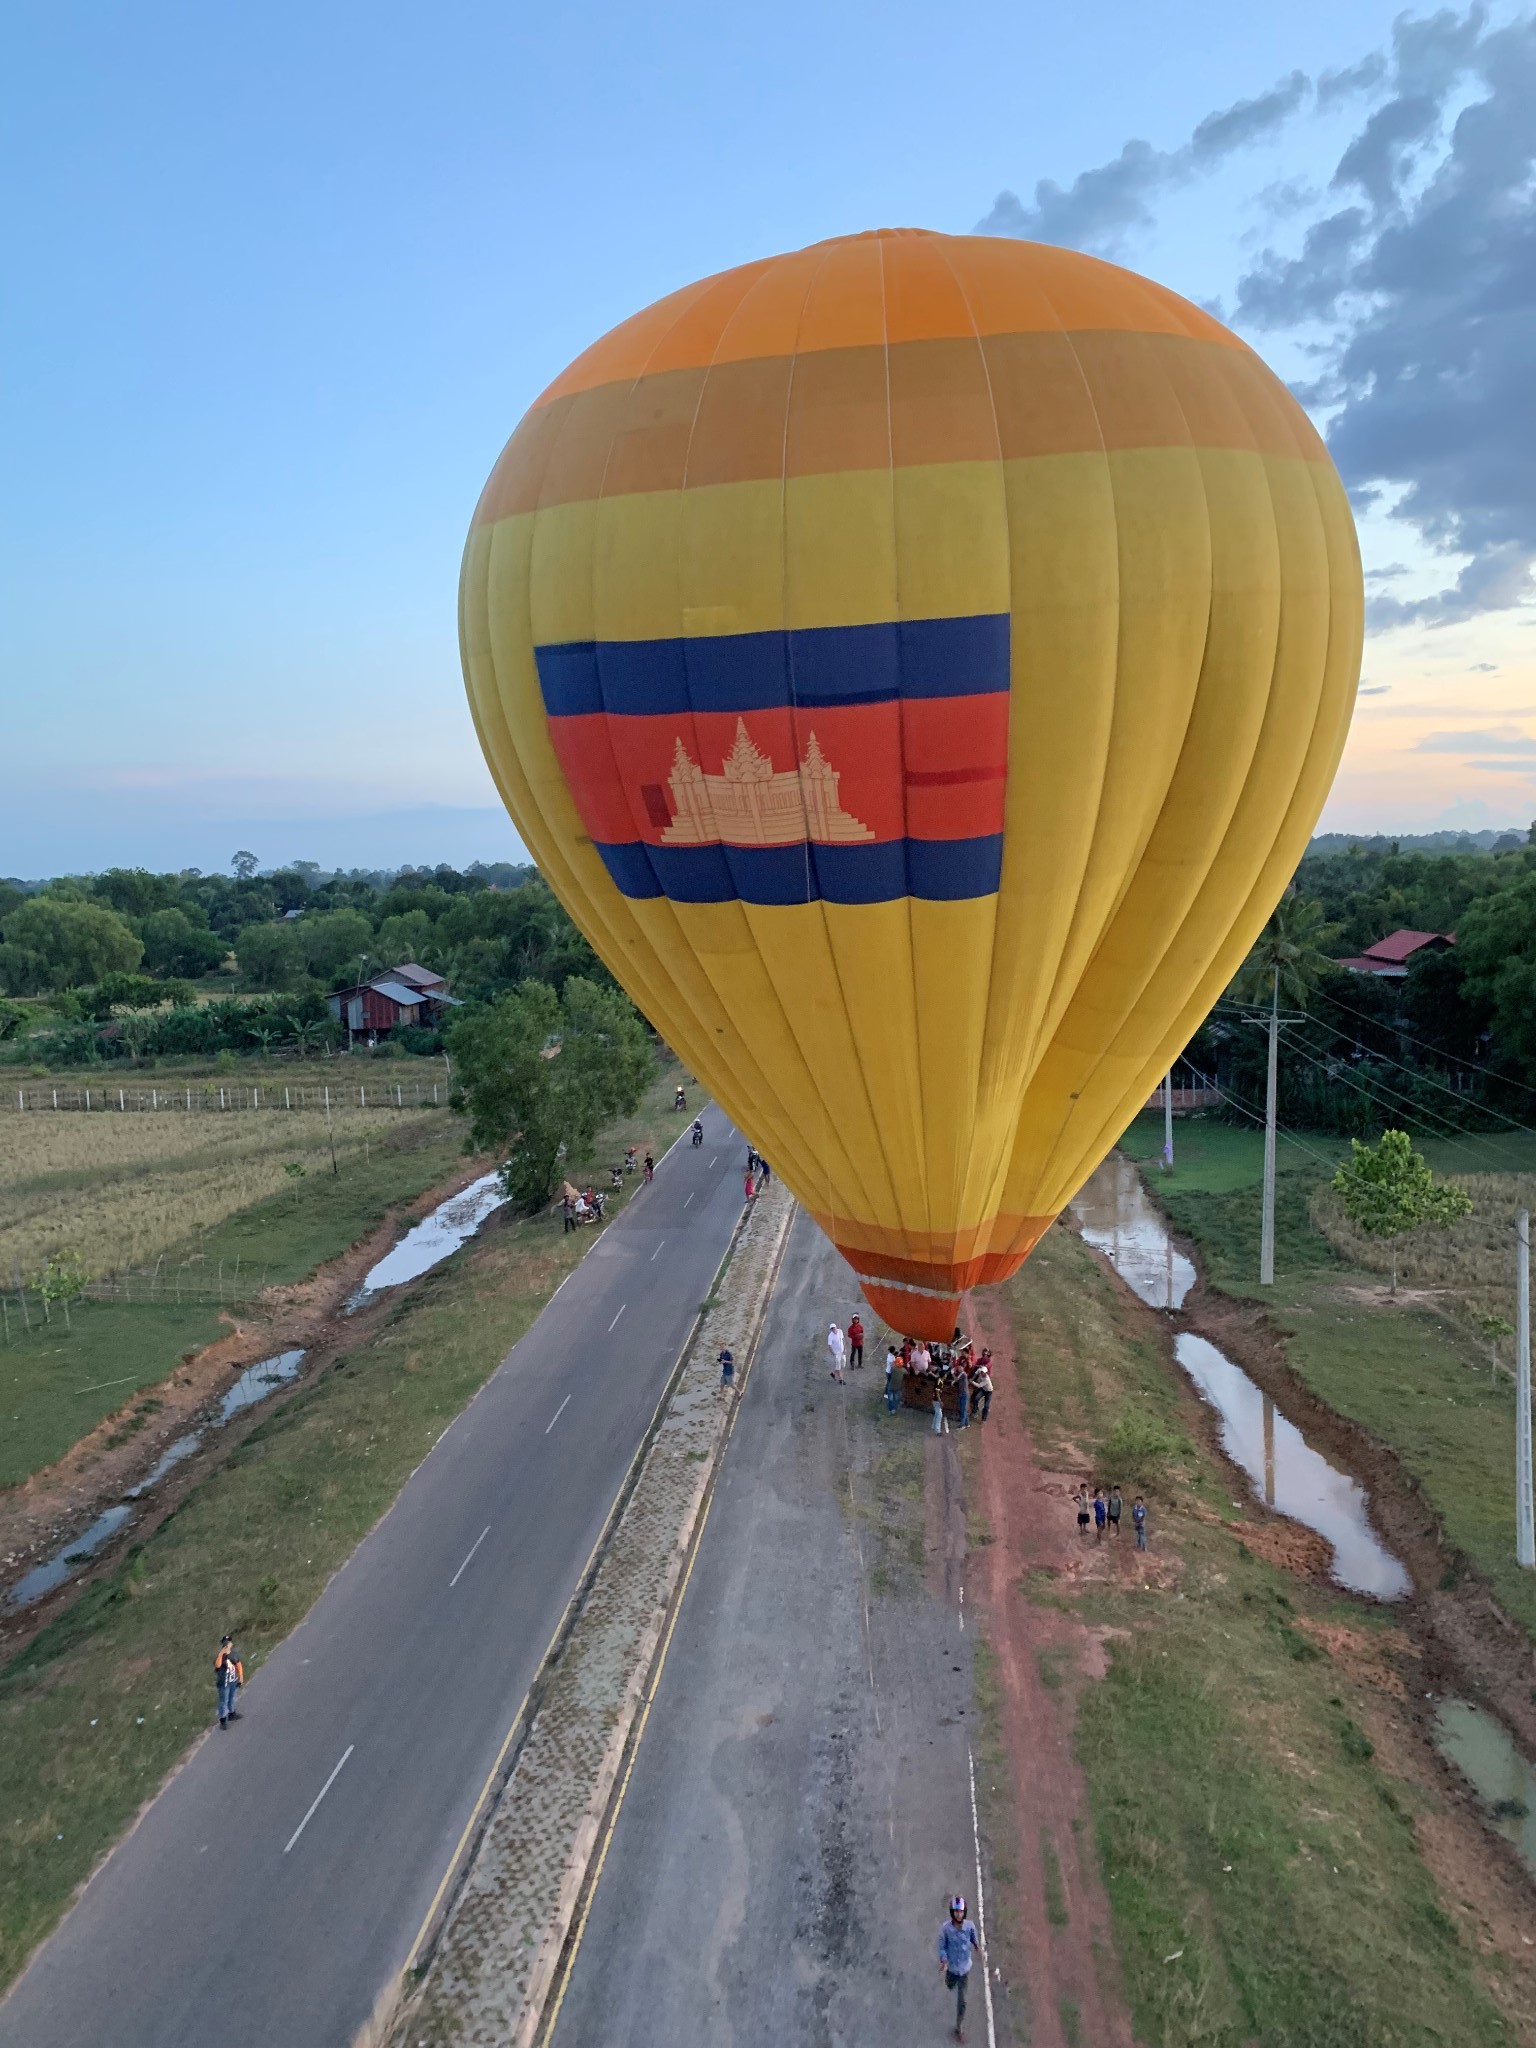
1138,1446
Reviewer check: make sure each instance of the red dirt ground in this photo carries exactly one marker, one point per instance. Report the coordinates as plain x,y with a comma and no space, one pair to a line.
1032,1530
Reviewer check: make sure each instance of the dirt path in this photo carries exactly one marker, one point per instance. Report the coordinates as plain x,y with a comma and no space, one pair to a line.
55,1504
1046,1660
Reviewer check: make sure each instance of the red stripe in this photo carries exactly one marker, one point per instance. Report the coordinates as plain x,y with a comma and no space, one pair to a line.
622,770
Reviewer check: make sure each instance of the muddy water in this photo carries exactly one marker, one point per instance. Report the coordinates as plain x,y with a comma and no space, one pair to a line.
64,1563
257,1382
1483,1751
1117,1217
434,1239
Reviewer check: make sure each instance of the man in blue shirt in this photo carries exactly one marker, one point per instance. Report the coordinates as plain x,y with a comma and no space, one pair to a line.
958,1943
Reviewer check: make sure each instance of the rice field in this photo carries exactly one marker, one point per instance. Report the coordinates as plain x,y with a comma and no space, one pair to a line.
120,1190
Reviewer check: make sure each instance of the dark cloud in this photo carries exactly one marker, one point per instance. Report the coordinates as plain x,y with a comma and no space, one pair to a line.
1430,286
1333,86
1100,207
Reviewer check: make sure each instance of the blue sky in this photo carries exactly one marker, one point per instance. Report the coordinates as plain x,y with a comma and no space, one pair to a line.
280,285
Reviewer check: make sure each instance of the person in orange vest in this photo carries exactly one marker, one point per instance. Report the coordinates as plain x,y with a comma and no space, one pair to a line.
228,1676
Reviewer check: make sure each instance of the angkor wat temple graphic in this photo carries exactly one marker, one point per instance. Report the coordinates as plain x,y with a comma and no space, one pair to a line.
750,803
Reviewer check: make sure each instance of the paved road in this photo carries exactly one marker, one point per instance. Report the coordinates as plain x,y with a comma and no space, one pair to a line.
222,1914
799,1809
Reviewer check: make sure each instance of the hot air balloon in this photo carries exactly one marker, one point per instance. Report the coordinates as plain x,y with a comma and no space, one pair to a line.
917,663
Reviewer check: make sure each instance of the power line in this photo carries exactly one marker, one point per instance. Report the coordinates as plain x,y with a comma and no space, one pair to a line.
1449,1134
1254,1117
1424,1046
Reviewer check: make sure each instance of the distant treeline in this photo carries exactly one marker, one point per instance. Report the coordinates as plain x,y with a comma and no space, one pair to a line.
123,964
1451,1046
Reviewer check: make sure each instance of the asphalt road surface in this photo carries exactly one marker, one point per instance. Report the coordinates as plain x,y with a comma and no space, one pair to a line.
275,1887
799,1810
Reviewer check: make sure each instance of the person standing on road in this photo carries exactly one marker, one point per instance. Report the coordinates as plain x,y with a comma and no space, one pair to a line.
228,1677
1139,1518
856,1343
650,1167
749,1189
959,1945
1115,1506
727,1370
835,1346
891,1390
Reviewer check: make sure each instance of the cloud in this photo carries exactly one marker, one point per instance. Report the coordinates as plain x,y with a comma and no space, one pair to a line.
1373,689
1428,280
1100,207
1497,739
1485,668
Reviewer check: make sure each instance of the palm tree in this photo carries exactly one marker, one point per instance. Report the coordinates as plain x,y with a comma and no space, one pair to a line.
1287,957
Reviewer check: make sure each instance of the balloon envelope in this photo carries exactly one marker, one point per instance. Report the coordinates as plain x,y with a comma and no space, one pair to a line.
917,663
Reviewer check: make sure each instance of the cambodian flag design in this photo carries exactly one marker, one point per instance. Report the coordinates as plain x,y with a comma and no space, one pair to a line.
854,764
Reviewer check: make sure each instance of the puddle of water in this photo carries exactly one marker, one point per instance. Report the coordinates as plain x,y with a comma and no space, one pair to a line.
1483,1750
1116,1216
1289,1475
257,1382
434,1239
42,1578
170,1458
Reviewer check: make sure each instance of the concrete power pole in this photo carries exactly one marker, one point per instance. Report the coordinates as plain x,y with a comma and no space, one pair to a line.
1168,1121
1525,1525
1267,1233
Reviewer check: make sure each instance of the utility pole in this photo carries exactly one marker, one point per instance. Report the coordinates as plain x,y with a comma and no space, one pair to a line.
1267,1231
1168,1122
1525,1528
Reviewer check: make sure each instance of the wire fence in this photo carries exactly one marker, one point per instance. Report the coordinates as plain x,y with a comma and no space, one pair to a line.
190,1283
213,1097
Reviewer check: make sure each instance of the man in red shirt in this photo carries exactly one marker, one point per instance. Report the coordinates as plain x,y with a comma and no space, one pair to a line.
856,1342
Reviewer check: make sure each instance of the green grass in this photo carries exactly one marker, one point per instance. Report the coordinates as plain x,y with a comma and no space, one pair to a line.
1243,1827
251,1549
57,1382
1412,1377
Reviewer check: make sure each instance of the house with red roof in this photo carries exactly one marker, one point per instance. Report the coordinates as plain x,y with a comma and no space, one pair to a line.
1388,959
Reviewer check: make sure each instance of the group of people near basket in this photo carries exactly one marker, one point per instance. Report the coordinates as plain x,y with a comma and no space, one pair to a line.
952,1377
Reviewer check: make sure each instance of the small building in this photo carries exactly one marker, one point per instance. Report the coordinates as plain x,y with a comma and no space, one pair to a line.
372,1009
1388,959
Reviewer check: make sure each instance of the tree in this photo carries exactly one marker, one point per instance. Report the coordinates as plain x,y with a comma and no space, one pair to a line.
270,955
244,865
539,1072
1388,1188
58,942
62,1280
1287,957
334,943
173,944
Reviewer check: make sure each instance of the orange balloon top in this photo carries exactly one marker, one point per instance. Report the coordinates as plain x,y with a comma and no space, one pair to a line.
888,285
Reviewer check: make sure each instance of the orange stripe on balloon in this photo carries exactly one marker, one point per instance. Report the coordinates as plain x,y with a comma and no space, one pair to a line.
891,286
918,402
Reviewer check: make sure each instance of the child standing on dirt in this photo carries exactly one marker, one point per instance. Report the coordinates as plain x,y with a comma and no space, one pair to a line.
959,1944
1115,1505
1139,1518
1100,1514
1082,1510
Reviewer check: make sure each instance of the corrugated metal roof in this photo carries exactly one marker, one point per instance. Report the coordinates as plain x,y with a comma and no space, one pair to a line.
397,992
1398,945
409,971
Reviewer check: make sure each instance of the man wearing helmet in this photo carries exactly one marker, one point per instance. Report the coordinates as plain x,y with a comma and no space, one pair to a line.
958,1943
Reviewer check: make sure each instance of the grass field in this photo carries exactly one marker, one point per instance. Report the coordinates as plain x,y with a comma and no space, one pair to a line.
1413,1372
122,1189
1261,1863
58,1381
100,1706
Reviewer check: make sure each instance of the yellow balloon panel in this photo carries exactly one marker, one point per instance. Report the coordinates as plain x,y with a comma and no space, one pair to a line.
917,663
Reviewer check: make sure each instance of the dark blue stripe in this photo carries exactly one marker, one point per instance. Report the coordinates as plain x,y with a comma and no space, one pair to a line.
821,665
937,870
